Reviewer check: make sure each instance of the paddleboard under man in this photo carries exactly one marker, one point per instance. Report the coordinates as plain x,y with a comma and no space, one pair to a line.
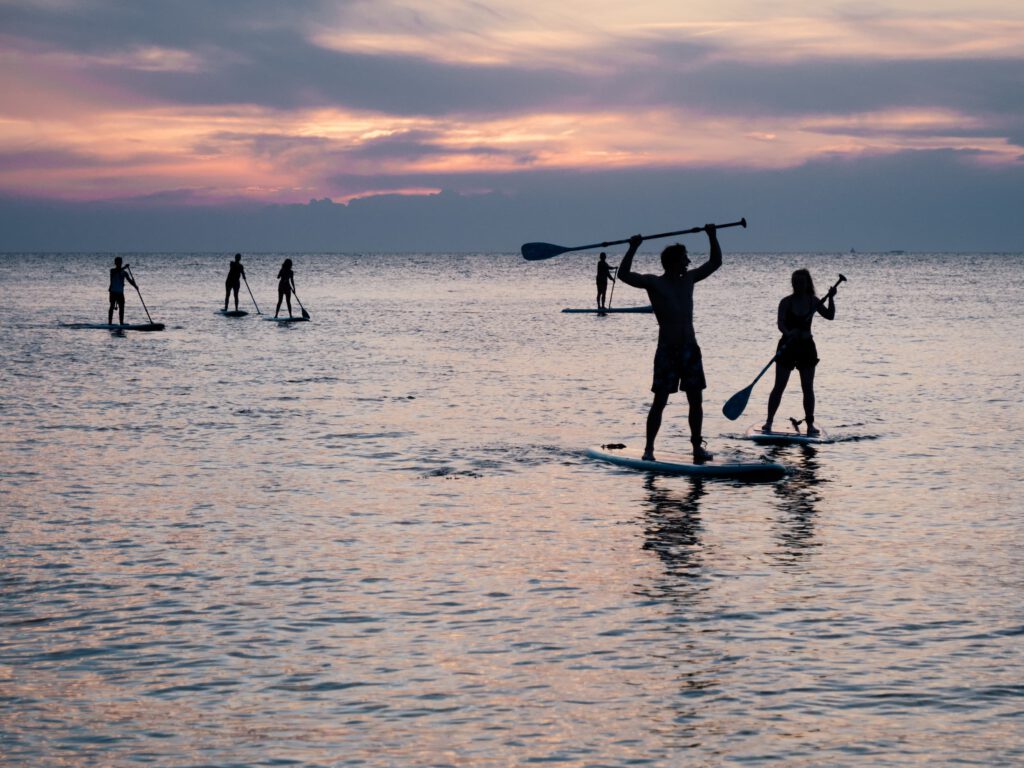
677,361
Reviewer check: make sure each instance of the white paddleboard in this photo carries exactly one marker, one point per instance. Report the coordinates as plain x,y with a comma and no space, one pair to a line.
231,312
116,327
784,437
296,319
611,310
667,464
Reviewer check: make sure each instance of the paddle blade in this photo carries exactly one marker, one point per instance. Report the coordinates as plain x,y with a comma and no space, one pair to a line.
538,251
735,405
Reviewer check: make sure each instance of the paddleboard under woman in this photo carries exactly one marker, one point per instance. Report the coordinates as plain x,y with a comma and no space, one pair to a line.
796,348
285,286
235,274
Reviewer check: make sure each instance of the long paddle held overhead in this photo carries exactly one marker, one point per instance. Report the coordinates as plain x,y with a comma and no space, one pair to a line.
735,405
539,251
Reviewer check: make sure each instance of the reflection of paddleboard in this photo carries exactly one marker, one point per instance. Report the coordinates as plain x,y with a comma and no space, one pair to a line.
116,327
231,312
677,465
612,310
784,437
296,319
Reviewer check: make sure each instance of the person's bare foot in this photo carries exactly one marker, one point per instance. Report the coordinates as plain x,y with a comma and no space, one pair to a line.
649,455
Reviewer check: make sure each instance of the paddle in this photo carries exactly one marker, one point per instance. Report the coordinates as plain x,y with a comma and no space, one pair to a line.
135,283
305,314
538,251
615,275
735,405
251,296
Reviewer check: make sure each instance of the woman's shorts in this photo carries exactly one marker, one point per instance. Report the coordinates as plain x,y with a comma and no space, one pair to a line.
800,354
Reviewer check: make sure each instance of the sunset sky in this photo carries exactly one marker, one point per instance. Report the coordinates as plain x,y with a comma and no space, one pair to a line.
234,105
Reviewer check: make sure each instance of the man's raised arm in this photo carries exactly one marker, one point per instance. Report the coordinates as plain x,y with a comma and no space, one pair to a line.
715,259
626,273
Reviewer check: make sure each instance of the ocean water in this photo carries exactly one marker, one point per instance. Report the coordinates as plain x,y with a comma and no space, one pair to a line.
373,538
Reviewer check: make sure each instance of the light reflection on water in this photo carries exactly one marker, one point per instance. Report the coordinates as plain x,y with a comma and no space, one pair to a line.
373,538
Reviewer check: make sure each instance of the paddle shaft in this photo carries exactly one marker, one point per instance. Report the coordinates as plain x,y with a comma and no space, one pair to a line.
136,284
251,296
538,251
305,314
690,231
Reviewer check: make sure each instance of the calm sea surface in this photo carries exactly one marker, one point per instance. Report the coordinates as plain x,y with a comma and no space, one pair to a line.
373,539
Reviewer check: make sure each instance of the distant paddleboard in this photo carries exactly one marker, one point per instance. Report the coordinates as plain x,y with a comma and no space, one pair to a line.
611,310
231,312
296,319
116,327
667,464
784,437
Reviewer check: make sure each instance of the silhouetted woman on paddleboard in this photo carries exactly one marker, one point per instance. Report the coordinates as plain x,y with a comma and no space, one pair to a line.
796,348
285,286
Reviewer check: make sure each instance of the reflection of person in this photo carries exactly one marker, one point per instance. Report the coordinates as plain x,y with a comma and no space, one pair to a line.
796,348
285,286
677,362
235,274
672,528
604,272
118,274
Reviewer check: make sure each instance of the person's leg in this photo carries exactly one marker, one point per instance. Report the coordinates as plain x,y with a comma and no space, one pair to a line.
695,399
280,298
120,310
775,398
807,384
654,423
288,298
110,311
227,295
235,289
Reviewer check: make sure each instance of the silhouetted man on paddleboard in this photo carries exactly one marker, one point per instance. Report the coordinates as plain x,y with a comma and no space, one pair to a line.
235,274
677,362
604,273
118,274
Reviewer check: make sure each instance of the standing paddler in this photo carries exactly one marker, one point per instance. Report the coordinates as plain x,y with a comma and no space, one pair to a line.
236,272
604,274
677,362
285,286
796,348
118,274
